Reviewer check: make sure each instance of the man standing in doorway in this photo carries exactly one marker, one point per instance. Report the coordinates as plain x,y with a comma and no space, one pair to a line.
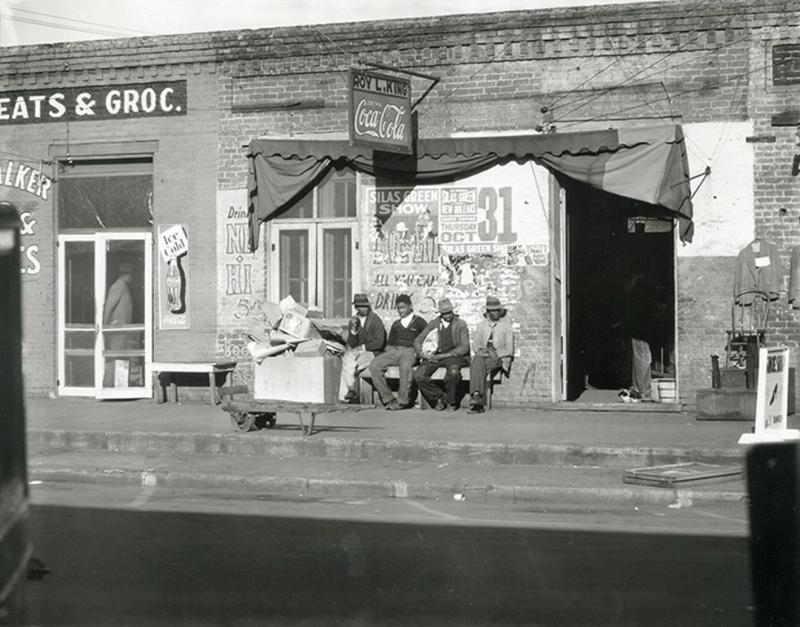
493,345
639,324
399,352
451,337
366,337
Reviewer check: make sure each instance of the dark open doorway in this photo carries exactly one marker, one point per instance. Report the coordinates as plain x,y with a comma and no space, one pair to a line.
611,239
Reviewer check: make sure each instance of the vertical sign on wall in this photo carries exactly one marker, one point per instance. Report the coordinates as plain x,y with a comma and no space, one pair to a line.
173,246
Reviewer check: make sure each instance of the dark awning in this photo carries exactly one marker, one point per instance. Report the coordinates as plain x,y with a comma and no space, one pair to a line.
644,164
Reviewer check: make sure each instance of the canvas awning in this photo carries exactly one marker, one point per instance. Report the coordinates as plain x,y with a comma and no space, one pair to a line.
647,164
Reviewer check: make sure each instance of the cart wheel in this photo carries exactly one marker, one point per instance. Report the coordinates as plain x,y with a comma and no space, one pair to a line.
265,421
243,421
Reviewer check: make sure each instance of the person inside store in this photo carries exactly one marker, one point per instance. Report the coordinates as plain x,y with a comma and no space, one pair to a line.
493,351
399,352
444,343
366,338
118,308
639,323
117,312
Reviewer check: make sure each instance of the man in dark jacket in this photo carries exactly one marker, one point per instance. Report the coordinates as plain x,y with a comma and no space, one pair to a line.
451,336
399,352
366,337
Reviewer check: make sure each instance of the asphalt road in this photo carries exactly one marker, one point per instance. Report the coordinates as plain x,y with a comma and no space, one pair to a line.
123,556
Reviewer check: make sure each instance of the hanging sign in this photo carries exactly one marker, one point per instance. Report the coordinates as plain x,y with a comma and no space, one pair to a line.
772,398
380,111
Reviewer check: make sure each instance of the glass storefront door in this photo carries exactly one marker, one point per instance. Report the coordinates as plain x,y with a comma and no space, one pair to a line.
105,315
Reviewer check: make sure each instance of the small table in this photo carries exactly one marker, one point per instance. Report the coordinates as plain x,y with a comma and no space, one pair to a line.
209,367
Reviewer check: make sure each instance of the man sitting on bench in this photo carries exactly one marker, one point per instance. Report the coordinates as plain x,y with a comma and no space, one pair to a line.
399,352
494,349
451,337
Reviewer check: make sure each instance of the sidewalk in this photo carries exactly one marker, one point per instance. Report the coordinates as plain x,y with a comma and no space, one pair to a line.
548,453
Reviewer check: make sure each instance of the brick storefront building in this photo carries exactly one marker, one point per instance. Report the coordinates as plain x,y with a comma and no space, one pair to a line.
116,150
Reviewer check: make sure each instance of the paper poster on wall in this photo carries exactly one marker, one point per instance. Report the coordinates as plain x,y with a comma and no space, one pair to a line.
173,248
502,212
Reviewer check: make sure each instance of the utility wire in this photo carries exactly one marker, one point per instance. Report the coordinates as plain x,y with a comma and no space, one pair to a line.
586,101
77,21
633,87
639,45
662,59
77,29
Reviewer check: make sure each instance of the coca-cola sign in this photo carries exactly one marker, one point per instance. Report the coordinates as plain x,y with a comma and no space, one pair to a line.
380,111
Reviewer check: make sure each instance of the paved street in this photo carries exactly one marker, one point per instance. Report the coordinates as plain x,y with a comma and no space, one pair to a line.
150,556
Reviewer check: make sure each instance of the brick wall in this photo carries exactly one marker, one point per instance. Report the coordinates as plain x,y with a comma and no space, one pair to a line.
648,63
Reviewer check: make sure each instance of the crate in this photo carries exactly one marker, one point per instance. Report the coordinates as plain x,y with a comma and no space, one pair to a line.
299,379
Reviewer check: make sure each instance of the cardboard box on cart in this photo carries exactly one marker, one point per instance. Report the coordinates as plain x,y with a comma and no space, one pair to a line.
301,379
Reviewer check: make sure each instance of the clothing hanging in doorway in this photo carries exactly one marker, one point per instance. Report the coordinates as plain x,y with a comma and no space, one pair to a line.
757,270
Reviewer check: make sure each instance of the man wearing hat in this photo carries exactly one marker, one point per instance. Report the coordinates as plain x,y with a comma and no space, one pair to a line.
450,335
493,350
366,337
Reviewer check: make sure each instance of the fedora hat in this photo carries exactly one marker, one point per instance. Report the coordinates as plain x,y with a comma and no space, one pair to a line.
360,300
493,304
445,306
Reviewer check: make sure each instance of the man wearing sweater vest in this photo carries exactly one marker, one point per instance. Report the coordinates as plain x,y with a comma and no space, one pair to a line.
451,337
366,338
399,352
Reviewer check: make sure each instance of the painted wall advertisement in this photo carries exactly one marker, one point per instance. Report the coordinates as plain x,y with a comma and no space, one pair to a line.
173,248
241,283
422,234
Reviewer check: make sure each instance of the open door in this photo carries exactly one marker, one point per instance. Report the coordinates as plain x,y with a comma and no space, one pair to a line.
105,333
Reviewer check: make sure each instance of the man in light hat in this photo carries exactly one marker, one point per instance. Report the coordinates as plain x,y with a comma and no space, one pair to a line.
450,335
366,337
493,350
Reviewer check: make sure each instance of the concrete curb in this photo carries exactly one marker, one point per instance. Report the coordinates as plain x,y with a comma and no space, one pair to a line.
311,487
320,446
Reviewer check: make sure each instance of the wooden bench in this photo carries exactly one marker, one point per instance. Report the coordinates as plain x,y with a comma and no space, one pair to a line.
164,374
367,390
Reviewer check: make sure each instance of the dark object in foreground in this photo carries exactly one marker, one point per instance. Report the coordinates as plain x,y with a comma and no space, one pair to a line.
773,483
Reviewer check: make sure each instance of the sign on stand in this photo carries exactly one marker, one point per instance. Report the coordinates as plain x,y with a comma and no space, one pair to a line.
772,399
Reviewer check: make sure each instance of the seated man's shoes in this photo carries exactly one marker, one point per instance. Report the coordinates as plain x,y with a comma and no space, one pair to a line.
393,405
440,405
351,398
476,409
451,408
